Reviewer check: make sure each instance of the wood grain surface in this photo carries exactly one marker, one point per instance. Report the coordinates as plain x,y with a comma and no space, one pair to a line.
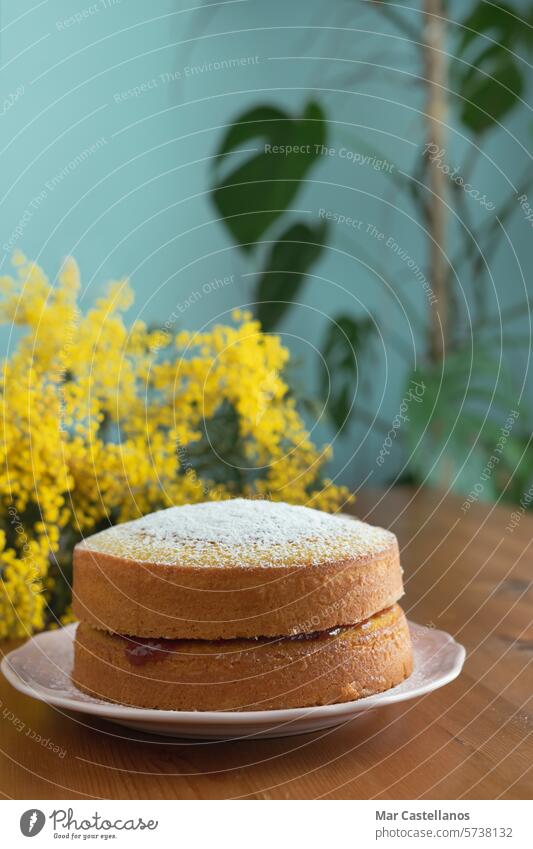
468,572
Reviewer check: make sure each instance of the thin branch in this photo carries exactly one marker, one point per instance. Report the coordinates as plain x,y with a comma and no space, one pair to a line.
384,275
489,228
397,20
509,314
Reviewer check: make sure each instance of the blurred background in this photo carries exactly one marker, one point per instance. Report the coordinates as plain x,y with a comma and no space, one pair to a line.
356,173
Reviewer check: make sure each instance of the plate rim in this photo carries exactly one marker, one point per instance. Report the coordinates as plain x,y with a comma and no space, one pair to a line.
116,712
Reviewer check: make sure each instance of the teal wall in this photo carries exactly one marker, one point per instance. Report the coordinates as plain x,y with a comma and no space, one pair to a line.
115,81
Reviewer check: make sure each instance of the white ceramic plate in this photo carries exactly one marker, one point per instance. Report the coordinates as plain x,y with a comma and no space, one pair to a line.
41,669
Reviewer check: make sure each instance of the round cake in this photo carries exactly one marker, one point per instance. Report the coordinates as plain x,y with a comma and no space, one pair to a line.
238,568
239,605
254,674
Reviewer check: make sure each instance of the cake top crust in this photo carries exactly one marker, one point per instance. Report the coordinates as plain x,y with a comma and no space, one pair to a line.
241,532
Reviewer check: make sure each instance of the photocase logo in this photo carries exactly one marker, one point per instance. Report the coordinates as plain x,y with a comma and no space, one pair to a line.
32,822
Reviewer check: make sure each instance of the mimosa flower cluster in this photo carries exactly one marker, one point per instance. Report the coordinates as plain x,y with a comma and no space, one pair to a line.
102,423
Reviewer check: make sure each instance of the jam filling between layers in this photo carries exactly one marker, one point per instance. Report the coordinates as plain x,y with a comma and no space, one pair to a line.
142,650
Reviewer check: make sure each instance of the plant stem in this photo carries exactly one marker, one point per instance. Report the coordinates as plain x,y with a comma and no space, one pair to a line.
435,72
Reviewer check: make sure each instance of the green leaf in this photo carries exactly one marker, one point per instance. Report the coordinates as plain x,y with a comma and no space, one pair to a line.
261,188
493,79
346,340
288,261
500,22
491,97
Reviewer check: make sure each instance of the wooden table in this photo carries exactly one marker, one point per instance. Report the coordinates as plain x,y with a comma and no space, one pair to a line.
466,573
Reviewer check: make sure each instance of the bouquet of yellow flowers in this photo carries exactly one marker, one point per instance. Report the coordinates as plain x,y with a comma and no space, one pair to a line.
102,423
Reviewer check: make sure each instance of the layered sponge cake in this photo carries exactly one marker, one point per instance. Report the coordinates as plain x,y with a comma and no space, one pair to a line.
239,605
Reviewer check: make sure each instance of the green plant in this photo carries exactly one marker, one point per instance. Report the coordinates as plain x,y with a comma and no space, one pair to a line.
469,395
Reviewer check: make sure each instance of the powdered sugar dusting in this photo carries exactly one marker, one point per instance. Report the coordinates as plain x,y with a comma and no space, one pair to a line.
243,532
